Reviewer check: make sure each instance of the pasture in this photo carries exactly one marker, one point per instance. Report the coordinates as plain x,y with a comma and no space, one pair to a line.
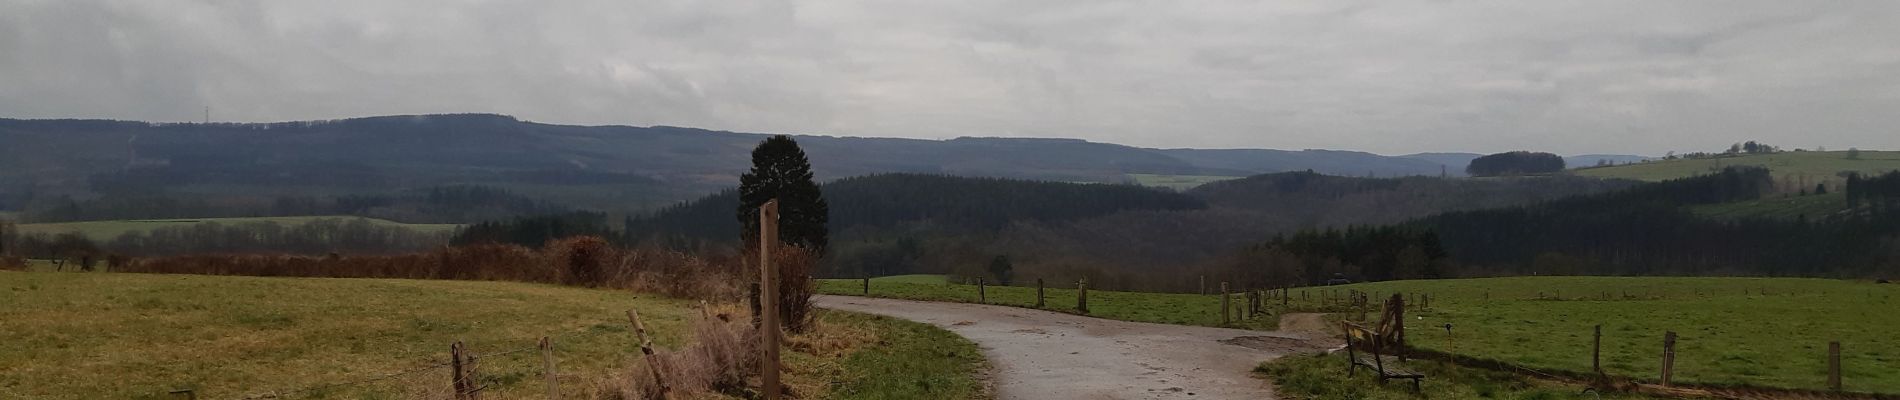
1813,165
1768,332
1164,308
1177,182
107,230
114,335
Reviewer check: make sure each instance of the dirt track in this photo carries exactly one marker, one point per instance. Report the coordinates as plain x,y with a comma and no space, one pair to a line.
1049,355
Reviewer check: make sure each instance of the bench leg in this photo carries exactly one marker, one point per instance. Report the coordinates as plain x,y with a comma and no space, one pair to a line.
1351,368
1415,386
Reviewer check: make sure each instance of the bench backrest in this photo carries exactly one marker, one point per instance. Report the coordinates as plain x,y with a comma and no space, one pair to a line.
1359,337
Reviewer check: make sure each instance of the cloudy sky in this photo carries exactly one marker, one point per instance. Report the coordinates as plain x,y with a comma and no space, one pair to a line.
1391,77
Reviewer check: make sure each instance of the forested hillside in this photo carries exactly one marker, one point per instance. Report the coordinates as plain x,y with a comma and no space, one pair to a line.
207,170
1120,235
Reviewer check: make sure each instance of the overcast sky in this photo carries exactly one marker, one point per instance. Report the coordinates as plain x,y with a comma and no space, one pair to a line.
1391,77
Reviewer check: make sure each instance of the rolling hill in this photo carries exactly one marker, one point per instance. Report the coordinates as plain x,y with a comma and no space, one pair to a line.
1813,166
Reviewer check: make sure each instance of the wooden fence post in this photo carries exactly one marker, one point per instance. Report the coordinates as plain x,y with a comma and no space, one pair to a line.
646,349
1082,295
458,375
768,298
187,394
1669,357
1285,300
1596,351
547,368
982,296
1038,292
867,286
1203,285
1224,319
1834,366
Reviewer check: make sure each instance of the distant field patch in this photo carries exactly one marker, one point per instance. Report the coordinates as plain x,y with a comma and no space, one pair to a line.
1758,331
107,230
1778,207
1178,182
1814,165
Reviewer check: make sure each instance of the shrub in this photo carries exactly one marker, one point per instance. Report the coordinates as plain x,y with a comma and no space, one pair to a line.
14,263
580,259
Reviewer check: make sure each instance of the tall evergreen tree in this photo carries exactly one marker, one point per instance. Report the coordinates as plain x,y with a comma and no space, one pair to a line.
781,171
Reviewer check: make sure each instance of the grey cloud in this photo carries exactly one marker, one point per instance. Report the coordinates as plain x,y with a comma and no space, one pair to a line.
1390,77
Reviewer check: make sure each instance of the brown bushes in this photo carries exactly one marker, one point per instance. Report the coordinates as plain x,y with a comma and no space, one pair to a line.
12,263
723,353
795,266
582,257
582,261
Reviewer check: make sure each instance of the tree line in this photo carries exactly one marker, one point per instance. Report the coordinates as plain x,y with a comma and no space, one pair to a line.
317,237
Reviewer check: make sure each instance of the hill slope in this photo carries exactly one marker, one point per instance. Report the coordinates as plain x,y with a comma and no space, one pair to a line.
1811,166
600,167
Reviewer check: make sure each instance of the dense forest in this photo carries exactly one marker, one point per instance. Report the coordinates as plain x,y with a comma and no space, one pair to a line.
1515,163
354,236
436,204
1646,230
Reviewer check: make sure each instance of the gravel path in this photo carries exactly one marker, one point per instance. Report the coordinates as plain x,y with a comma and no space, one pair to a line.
1050,355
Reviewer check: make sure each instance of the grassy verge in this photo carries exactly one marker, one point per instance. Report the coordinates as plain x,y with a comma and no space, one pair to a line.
137,336
1323,377
1767,332
1165,308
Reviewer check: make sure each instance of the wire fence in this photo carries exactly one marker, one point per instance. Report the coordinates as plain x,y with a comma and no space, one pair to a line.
471,361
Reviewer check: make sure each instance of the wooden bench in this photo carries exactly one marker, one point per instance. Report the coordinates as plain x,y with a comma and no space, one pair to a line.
1368,349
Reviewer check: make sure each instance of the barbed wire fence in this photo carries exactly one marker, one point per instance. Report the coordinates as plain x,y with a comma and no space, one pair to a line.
461,368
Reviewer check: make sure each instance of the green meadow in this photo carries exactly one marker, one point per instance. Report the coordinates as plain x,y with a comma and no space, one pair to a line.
1165,308
139,336
1177,182
1771,332
1814,165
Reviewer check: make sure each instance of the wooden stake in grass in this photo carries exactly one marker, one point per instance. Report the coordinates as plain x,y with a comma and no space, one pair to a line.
768,297
1082,295
459,379
982,296
547,368
646,349
1224,319
1669,357
1596,352
1038,292
1834,366
867,286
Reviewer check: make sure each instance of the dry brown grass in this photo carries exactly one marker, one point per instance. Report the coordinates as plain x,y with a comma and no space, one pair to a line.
722,355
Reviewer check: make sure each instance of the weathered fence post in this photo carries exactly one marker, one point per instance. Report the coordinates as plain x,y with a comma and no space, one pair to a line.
1203,285
1596,351
982,296
1834,366
646,350
1285,300
547,368
1669,357
768,299
1082,295
1038,292
867,286
458,375
1223,304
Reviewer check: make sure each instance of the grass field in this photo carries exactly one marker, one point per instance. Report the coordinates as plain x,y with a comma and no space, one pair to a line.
1177,182
107,230
1816,165
1323,377
1166,308
110,335
1775,206
1729,331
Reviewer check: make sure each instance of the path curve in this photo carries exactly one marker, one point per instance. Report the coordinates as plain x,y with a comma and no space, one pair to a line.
1049,355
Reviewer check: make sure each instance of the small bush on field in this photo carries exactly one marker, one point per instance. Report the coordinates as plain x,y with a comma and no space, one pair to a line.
580,259
722,355
795,266
12,263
